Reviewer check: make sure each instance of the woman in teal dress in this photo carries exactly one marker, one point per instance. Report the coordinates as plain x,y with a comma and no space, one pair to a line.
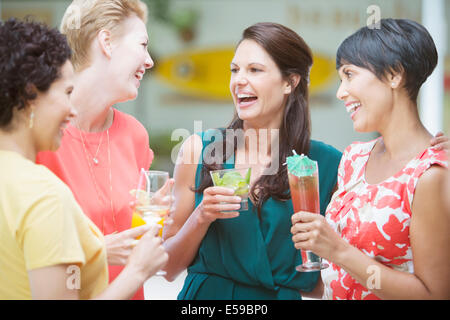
249,254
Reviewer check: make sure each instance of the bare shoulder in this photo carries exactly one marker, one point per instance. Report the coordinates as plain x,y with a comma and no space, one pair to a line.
429,190
432,178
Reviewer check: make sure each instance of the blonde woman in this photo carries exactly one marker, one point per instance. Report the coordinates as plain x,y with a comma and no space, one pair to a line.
103,149
49,248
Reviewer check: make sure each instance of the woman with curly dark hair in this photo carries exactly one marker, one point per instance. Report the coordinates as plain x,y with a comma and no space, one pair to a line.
104,149
49,248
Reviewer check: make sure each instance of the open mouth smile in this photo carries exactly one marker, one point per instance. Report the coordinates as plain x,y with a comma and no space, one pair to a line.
246,99
353,108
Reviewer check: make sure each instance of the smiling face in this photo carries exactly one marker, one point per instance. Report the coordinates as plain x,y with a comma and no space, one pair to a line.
53,111
367,99
129,58
258,89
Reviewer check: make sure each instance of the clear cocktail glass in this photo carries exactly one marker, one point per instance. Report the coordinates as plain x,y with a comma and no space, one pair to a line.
236,179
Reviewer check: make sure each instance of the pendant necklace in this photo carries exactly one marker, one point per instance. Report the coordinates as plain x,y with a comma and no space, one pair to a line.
95,159
91,171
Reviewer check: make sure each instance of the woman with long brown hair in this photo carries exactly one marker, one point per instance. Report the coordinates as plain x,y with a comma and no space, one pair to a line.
249,254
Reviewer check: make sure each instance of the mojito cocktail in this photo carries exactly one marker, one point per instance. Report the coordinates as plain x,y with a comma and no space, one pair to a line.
236,179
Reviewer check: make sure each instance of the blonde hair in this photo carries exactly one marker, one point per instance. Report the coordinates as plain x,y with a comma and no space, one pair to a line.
83,20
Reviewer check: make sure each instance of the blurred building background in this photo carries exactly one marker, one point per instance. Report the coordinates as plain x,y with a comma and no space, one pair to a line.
192,43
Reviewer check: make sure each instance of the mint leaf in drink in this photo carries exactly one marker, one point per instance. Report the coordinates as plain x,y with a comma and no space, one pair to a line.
232,179
242,188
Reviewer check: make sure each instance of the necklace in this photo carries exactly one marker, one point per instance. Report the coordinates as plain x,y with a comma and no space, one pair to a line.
91,171
94,158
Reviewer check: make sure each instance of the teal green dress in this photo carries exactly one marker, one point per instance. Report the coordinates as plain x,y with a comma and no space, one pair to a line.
247,258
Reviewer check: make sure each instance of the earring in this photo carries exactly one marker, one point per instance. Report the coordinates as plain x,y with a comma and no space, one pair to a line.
392,85
31,123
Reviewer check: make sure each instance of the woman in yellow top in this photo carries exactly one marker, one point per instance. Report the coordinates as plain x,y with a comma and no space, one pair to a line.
104,149
50,249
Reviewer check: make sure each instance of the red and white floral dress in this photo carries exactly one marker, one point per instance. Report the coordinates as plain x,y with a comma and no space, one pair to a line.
375,218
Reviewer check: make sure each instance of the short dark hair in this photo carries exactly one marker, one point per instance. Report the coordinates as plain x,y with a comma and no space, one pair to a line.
399,45
31,56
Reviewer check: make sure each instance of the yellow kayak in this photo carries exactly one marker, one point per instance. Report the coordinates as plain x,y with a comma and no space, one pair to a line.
206,73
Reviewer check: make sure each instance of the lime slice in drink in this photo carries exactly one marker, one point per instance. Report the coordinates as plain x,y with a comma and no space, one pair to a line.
242,189
216,178
247,176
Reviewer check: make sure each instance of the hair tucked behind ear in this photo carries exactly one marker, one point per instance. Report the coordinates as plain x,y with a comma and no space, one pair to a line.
83,20
399,45
293,57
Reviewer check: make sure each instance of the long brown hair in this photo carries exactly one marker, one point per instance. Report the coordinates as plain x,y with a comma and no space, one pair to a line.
292,56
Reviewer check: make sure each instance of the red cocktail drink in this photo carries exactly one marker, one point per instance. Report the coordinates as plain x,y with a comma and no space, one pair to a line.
305,193
304,185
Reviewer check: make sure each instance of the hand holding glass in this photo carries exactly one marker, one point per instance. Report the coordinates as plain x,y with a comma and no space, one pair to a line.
236,179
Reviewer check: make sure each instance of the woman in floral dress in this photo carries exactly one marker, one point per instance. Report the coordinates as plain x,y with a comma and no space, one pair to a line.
386,233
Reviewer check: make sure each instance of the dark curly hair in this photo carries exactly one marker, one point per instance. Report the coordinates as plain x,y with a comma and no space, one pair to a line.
31,57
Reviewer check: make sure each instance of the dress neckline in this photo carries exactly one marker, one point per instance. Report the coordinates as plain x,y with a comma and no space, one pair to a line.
392,177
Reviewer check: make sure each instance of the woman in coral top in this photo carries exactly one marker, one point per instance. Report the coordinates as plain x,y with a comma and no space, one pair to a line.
103,149
387,230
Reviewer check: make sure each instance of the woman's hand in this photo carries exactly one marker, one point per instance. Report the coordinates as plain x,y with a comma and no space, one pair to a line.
164,195
148,256
120,245
440,142
312,232
161,197
218,203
